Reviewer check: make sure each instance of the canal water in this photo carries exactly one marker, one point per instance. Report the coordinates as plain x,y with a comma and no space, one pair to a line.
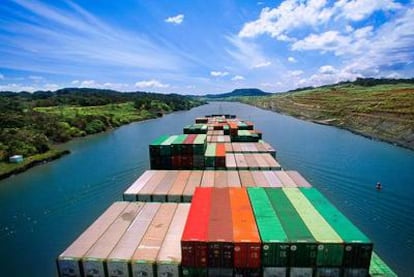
44,209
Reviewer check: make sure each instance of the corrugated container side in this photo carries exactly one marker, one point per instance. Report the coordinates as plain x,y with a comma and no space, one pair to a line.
260,179
131,193
262,163
273,180
273,164
146,191
358,248
240,161
330,245
298,178
144,259
194,181
230,161
229,147
275,245
246,179
220,233
117,264
208,179
161,191
194,249
220,179
303,247
169,257
285,179
188,144
177,188
69,262
379,268
233,179
154,147
247,244
251,161
94,260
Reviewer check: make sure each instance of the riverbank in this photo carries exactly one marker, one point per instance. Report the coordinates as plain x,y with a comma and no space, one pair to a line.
382,112
9,169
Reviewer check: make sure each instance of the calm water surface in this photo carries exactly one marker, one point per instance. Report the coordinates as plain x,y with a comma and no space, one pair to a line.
43,210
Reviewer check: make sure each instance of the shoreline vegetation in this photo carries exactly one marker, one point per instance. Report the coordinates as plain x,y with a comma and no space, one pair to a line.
32,124
382,112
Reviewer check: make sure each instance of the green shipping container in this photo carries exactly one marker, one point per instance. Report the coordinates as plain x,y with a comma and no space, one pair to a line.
330,245
177,145
155,148
210,155
303,246
358,247
379,268
275,246
194,271
166,146
199,145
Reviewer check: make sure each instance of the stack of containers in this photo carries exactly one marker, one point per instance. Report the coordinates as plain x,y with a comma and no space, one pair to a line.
194,241
246,238
178,152
201,120
195,129
220,235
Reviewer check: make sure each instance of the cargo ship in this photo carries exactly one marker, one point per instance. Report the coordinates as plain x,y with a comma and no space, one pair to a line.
216,202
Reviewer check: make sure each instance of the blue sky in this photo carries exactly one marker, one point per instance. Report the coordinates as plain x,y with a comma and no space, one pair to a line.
198,46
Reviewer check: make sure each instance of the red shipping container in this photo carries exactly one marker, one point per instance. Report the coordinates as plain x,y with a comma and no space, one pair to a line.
246,238
188,144
220,230
194,249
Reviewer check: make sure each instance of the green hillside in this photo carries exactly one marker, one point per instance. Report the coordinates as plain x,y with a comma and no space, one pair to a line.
384,111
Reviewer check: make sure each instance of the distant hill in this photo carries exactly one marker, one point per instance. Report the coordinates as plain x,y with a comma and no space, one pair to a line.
238,93
377,108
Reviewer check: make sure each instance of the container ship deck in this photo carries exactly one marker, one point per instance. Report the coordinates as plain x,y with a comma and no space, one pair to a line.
216,202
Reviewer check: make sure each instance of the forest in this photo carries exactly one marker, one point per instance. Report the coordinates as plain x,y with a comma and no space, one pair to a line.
32,122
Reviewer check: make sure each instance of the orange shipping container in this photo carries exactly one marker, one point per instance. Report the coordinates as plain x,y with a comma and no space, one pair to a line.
246,238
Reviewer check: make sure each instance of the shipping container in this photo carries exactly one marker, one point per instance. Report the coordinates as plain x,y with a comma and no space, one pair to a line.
358,248
210,156
287,182
154,147
246,238
273,164
146,191
193,182
143,261
378,268
252,163
259,178
303,246
240,161
69,262
275,244
261,161
272,178
93,262
175,194
330,245
246,178
188,145
233,179
231,161
220,234
194,248
208,178
298,179
169,256
220,179
118,261
160,193
131,193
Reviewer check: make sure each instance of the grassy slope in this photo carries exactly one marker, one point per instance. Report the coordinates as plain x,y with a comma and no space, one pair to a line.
384,112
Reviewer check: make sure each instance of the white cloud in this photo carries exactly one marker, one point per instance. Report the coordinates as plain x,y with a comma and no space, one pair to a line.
237,78
327,69
262,64
178,19
247,54
150,84
292,60
17,87
219,73
357,10
51,87
289,15
75,82
296,73
88,84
